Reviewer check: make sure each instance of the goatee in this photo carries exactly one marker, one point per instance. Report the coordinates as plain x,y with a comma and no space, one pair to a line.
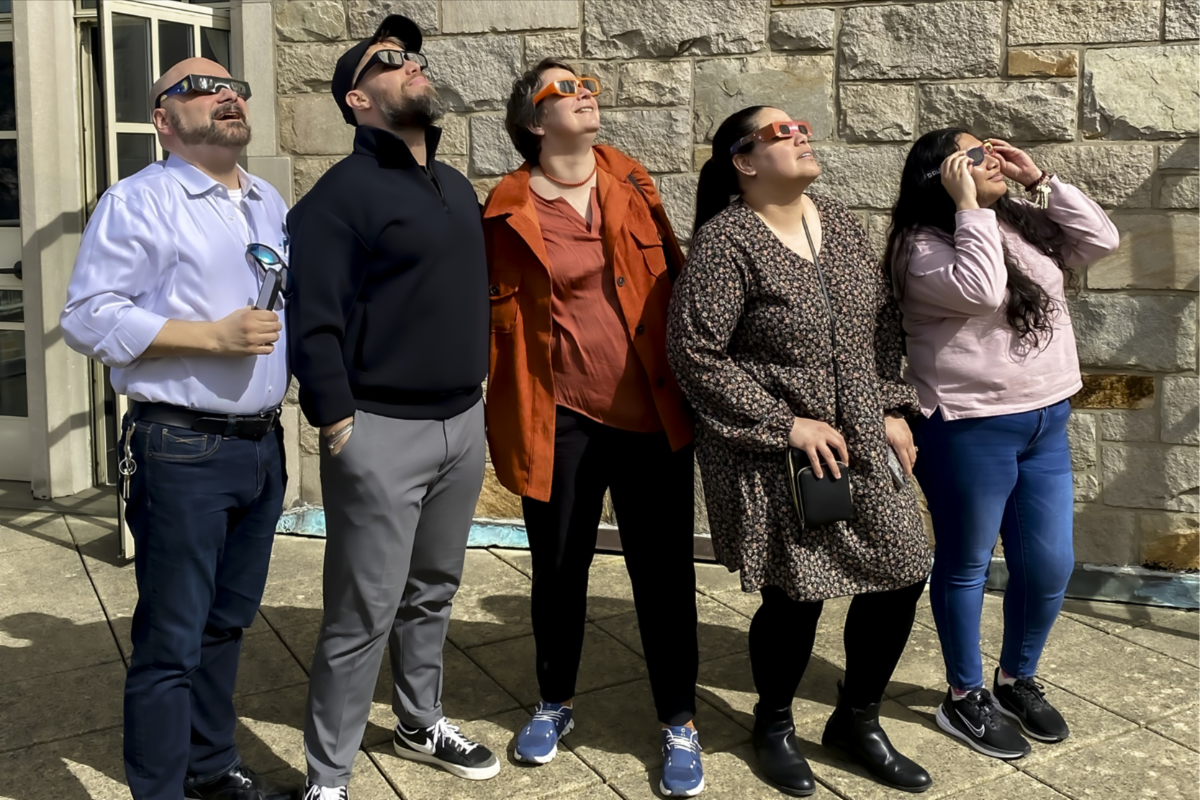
414,111
224,133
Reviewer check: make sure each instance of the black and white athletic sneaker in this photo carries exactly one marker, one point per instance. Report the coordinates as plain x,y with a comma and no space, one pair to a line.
443,745
1025,702
976,719
314,792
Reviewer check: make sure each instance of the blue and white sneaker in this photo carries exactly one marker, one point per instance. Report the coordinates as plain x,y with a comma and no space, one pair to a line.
537,743
683,776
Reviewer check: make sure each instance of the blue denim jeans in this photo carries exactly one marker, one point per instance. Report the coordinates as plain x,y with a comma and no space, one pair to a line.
202,509
1007,475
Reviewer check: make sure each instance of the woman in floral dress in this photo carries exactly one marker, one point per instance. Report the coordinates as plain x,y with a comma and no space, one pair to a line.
751,344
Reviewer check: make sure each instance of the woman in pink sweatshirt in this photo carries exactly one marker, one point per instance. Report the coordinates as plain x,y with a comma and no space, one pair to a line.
980,279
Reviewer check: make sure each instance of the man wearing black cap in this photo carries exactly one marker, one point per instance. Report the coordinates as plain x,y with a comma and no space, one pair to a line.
389,333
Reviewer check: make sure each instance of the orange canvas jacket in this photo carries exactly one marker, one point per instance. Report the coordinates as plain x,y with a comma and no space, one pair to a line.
520,390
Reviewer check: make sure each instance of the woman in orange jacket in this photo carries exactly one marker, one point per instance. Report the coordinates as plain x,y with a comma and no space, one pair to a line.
581,400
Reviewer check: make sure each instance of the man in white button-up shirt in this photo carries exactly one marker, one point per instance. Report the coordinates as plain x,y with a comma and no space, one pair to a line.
163,292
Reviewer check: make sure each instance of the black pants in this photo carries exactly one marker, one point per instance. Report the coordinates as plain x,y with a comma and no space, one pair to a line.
783,631
652,494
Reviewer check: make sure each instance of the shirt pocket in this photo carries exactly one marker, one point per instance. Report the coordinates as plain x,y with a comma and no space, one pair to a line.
502,294
650,244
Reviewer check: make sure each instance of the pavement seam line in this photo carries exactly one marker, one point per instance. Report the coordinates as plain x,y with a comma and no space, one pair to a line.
96,591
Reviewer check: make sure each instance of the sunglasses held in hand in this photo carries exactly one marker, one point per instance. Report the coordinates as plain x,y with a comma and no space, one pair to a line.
276,277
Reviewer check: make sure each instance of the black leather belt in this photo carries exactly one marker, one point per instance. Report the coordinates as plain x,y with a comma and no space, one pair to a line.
241,426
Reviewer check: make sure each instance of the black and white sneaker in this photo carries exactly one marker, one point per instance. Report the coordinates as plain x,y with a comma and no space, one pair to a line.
443,745
314,792
1025,702
976,719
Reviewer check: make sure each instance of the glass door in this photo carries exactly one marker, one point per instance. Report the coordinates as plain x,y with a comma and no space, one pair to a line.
14,400
136,41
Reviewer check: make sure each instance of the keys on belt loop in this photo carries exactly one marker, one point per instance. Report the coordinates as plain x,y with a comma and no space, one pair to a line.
127,465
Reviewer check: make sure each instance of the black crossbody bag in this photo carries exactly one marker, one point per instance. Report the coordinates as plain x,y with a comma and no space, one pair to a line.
820,501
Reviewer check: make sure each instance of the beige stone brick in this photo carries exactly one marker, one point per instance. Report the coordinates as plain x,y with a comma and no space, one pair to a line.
801,85
1181,20
496,502
307,171
310,20
305,67
1141,92
312,124
1150,332
558,45
655,83
877,112
1180,191
802,29
1043,63
1180,417
655,28
1021,111
1052,21
1145,476
474,73
365,15
1168,541
479,16
1113,175
658,138
1157,251
911,41
1104,535
1115,391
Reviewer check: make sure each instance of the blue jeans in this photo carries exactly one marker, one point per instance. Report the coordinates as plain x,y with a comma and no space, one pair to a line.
1008,475
202,509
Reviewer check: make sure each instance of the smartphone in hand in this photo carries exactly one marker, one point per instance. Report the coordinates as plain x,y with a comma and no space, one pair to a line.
269,293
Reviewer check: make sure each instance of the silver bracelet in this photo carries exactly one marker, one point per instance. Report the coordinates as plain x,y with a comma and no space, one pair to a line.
338,436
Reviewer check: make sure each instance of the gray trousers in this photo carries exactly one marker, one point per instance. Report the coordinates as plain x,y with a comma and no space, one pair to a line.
399,499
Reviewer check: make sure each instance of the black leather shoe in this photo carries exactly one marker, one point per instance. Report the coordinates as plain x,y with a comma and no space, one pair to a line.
857,733
778,754
240,783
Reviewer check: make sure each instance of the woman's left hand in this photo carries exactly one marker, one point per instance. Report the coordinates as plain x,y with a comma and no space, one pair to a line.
1015,163
900,438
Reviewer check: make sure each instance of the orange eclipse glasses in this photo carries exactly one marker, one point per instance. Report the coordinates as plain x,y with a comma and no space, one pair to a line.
776,130
568,87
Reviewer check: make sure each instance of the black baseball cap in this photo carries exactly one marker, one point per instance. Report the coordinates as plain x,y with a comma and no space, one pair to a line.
395,25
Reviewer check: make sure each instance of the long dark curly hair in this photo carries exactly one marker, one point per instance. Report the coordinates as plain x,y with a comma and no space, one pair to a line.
924,203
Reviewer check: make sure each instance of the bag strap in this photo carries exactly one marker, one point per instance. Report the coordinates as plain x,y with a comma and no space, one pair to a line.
837,403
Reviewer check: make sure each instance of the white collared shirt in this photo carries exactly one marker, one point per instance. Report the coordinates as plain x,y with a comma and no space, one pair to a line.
170,243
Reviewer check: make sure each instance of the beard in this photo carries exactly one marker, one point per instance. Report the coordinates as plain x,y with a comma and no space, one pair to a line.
414,110
224,133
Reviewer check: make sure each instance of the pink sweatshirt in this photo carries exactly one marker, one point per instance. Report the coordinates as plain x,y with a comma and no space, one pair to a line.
962,354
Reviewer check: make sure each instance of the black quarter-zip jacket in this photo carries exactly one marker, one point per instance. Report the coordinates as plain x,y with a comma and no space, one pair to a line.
390,309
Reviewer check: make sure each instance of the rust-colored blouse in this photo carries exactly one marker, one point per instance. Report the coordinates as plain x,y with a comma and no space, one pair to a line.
596,370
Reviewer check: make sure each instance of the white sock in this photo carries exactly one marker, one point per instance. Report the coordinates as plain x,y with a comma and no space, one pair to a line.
956,694
1003,678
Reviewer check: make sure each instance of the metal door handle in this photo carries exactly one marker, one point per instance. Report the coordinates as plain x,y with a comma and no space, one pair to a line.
14,270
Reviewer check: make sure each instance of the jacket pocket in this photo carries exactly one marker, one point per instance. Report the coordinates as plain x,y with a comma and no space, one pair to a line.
503,298
650,244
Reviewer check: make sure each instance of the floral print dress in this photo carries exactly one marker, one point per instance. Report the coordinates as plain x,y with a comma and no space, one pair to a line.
749,340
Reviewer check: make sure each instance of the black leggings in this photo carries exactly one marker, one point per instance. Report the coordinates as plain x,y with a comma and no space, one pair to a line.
783,631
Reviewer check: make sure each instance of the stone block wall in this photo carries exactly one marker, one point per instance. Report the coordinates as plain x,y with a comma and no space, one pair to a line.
1103,92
